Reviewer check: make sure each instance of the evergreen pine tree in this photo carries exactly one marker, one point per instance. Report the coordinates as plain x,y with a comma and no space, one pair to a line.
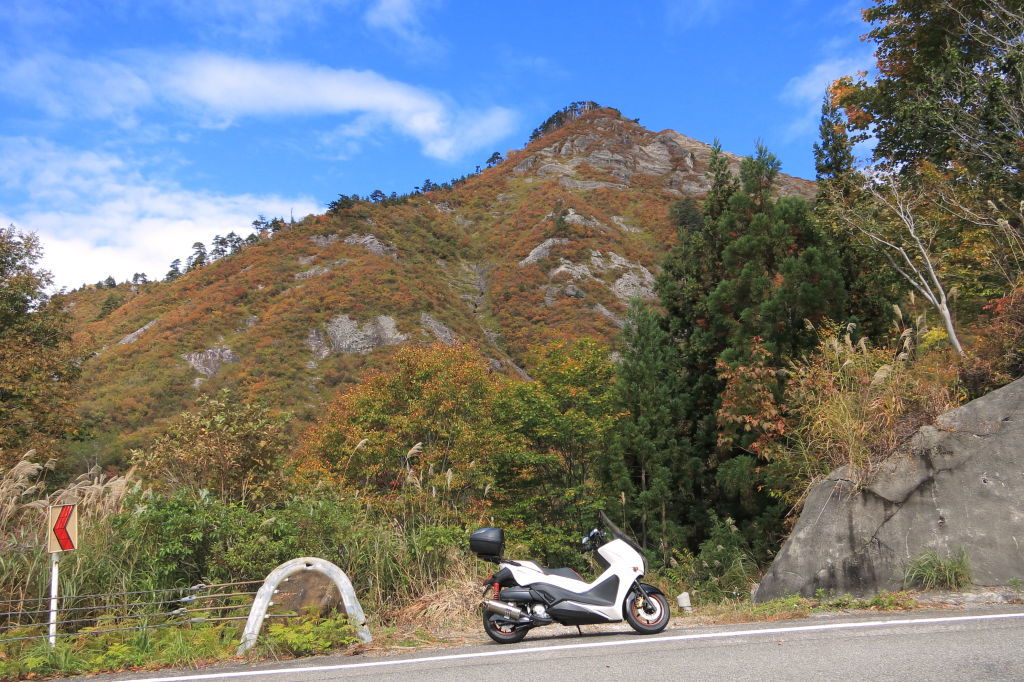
198,258
692,266
776,270
690,270
723,182
174,272
234,242
833,154
220,247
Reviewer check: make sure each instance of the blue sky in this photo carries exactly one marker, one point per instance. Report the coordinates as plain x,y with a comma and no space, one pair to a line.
132,128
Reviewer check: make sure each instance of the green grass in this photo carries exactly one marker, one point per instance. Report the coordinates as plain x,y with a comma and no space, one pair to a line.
929,571
185,646
92,653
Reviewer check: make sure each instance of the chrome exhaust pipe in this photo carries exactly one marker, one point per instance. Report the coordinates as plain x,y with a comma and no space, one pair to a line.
503,609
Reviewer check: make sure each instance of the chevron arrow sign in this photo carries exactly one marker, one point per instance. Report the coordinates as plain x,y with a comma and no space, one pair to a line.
63,528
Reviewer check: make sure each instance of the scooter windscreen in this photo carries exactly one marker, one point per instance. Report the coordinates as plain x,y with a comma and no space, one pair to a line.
619,535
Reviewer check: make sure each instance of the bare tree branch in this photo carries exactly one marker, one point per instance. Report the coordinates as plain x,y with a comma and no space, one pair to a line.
890,223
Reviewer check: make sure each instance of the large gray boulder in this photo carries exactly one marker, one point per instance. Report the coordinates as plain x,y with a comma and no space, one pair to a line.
959,484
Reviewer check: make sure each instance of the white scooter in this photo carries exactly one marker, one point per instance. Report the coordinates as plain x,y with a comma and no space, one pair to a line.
525,595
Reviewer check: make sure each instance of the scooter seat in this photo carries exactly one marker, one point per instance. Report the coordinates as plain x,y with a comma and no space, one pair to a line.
562,572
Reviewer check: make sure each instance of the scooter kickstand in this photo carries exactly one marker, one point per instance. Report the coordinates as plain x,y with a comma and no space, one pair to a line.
580,632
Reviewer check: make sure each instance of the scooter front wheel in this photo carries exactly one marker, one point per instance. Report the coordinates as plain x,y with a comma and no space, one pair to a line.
648,614
502,632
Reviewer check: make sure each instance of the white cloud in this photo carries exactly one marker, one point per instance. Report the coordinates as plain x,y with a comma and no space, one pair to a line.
396,15
230,88
401,18
64,87
262,20
471,130
272,19
256,21
234,87
221,90
685,14
27,16
806,92
99,215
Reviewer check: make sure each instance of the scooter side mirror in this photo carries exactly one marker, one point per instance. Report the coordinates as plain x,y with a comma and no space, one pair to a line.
592,540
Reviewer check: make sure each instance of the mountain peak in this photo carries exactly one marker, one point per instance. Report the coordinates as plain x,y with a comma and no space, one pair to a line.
566,115
587,146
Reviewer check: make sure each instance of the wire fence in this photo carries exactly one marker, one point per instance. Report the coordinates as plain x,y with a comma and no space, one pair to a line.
114,612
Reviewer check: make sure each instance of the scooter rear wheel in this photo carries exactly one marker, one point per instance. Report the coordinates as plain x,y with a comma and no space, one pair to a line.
648,614
502,633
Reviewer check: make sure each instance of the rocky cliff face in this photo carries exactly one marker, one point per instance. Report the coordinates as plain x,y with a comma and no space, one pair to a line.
629,153
959,485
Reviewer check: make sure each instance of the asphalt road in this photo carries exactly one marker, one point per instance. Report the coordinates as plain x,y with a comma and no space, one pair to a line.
975,644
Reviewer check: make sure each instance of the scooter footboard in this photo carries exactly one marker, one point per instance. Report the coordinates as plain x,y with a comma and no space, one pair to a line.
568,613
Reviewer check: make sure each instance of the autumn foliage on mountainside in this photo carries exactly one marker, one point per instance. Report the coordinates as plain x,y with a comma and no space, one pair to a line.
456,254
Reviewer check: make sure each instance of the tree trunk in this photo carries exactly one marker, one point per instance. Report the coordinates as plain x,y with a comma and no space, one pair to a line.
947,321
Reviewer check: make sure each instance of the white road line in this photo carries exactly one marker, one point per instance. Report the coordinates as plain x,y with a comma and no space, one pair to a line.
588,645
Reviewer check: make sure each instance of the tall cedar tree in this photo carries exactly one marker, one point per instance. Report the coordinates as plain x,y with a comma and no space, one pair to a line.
691,270
738,287
650,475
